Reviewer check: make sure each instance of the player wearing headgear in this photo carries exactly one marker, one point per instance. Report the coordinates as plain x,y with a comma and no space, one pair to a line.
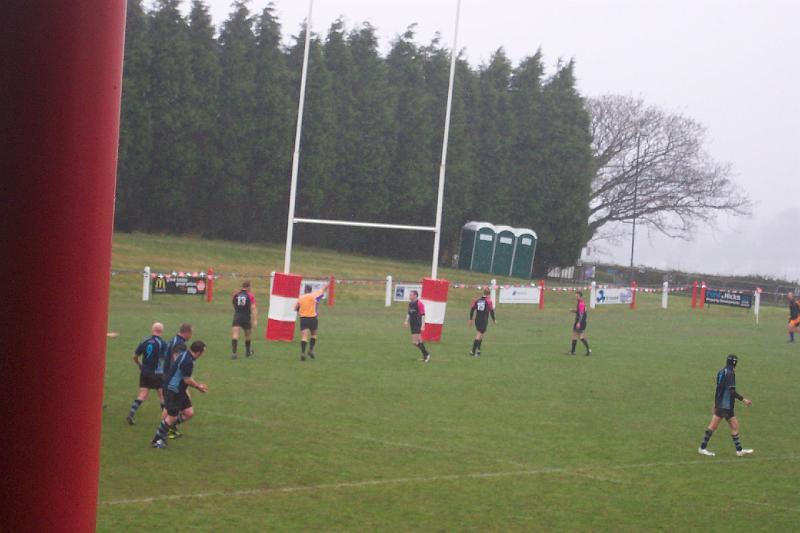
579,327
481,308
245,317
794,314
415,319
154,354
724,399
307,305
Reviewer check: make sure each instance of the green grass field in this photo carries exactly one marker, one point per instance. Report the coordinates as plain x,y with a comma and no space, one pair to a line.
525,438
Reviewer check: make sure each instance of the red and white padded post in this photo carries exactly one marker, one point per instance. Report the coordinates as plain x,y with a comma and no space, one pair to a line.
60,106
282,299
434,297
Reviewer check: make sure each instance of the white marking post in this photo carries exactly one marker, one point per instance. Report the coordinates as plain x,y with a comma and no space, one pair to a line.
665,295
593,296
388,291
146,285
757,303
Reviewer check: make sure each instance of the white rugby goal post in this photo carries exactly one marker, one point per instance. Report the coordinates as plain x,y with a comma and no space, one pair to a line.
436,229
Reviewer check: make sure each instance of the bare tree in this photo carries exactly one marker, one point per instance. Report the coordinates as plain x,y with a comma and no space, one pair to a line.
652,165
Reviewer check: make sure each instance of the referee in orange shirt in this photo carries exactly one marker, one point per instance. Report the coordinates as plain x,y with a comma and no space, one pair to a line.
307,307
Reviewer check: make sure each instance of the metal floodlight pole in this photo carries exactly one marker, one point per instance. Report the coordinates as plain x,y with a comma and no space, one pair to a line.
440,199
287,261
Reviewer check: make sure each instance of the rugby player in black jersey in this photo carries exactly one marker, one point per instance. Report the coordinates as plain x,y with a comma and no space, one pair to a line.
480,311
415,319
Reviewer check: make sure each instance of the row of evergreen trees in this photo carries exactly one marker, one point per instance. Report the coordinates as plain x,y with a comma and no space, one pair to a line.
208,124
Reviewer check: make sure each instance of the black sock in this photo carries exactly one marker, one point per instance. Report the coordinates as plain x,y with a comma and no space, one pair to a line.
422,349
737,442
706,438
791,336
161,432
178,421
585,343
480,343
311,344
234,344
162,406
134,406
572,350
247,345
475,346
303,347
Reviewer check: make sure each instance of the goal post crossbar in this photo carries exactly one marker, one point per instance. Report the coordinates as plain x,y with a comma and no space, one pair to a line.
362,224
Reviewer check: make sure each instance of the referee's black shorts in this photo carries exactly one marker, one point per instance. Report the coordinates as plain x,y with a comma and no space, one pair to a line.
309,322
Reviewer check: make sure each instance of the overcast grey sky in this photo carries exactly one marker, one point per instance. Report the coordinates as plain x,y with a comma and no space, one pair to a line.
732,65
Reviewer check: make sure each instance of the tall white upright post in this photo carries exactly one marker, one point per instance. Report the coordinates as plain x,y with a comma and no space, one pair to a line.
146,285
757,303
494,291
664,295
440,197
593,296
287,261
388,291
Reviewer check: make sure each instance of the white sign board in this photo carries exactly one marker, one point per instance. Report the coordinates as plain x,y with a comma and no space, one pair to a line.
519,295
315,284
401,291
613,296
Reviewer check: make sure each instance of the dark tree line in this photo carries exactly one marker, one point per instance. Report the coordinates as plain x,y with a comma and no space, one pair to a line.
208,124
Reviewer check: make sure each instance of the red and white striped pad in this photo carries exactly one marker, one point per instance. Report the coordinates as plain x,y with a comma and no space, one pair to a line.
282,299
434,297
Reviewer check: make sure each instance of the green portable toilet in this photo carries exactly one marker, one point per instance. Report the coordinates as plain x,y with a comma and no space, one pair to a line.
477,246
524,251
503,250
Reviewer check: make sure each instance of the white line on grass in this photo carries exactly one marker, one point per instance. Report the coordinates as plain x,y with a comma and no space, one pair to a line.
771,506
429,479
397,444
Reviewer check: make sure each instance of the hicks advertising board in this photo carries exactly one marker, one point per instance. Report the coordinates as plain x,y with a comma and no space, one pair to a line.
613,296
732,298
179,283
